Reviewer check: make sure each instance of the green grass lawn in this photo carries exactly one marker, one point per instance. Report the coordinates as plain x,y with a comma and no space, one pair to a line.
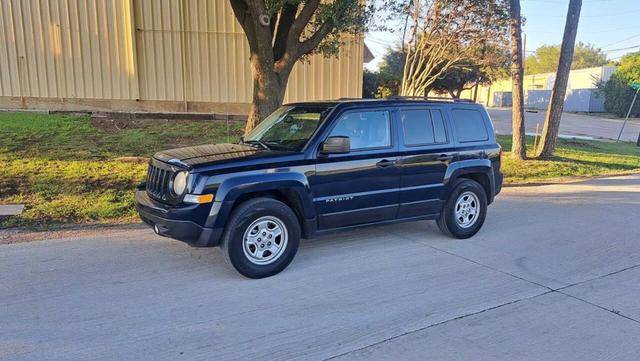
72,170
67,169
573,158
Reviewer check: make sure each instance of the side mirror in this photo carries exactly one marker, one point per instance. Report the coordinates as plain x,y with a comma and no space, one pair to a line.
336,145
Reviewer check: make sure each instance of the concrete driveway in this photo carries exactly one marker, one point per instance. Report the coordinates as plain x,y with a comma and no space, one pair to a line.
594,126
553,275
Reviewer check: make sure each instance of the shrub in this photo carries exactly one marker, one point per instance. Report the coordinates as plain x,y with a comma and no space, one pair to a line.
618,96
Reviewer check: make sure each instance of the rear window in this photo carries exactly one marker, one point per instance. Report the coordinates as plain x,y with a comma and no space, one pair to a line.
422,126
469,125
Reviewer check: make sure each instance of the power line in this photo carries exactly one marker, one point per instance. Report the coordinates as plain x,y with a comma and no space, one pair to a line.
582,16
375,41
555,1
620,41
627,48
581,32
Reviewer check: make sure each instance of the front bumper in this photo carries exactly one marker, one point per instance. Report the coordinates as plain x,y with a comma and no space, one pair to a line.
177,222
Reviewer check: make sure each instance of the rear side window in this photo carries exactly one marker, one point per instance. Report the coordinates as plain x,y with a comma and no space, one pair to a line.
469,125
422,126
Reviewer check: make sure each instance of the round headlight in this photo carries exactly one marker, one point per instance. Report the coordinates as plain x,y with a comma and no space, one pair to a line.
180,183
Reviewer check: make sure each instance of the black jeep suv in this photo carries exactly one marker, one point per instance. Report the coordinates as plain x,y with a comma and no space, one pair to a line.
313,167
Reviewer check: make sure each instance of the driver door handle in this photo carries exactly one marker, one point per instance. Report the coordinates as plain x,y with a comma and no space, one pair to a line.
385,163
445,157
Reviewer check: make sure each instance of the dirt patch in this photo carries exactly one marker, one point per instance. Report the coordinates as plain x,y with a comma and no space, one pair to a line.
117,125
11,186
10,236
579,144
137,160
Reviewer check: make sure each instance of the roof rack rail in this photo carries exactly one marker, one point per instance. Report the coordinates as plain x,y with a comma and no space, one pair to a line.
455,100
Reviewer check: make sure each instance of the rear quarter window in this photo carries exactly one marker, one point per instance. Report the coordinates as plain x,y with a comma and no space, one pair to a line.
469,125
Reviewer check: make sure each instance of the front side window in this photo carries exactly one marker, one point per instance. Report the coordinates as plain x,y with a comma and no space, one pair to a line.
289,127
366,130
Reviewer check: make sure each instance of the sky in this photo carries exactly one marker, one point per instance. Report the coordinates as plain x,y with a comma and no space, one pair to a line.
612,25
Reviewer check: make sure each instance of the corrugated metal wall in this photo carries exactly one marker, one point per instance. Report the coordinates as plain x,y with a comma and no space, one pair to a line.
67,49
578,79
161,50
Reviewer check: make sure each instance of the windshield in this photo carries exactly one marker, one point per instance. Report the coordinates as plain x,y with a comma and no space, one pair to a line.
289,127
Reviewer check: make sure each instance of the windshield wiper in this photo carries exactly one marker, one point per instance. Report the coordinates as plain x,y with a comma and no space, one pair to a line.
253,141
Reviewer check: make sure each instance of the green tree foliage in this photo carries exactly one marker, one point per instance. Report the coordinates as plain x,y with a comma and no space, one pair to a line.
545,59
629,68
386,81
369,83
617,92
459,78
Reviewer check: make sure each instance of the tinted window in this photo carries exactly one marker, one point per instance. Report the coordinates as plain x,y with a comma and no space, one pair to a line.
438,126
417,127
365,129
422,126
469,125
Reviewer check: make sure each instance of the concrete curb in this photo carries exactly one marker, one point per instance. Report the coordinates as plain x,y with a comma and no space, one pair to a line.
7,210
567,180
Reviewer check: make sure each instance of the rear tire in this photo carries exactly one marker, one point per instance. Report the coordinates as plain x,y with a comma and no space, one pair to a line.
261,237
465,211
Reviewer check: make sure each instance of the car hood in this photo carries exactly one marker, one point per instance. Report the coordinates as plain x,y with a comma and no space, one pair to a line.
210,154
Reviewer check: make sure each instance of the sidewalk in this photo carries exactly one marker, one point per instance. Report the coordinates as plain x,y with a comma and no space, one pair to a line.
571,124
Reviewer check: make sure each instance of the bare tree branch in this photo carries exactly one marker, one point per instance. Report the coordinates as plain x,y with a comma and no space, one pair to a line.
447,32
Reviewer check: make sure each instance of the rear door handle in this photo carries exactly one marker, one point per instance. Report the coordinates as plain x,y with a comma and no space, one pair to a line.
385,163
445,157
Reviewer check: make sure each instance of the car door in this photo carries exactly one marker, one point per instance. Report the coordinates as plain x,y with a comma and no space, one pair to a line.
360,186
426,151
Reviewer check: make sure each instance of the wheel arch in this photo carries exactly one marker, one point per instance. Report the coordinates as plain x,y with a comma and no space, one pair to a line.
291,189
479,170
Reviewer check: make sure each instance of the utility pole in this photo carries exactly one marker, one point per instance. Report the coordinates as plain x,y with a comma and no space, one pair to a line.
629,111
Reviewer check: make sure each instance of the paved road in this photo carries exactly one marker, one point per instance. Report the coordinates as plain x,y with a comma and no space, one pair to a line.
571,124
552,276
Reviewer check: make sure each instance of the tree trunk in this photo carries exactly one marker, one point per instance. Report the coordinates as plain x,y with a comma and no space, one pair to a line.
268,92
518,148
549,137
475,92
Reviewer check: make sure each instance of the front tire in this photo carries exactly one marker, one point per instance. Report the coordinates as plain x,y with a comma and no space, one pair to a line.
465,210
261,237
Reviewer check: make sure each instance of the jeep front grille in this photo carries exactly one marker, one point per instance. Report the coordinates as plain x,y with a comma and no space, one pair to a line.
158,182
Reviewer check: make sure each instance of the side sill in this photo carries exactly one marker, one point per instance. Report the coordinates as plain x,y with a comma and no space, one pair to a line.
391,221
